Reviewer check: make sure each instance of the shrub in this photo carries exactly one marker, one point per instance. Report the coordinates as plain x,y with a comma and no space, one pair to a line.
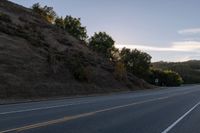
172,78
188,70
79,71
46,12
120,71
165,78
5,18
64,41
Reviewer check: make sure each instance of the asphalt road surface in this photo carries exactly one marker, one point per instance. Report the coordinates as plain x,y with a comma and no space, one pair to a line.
167,110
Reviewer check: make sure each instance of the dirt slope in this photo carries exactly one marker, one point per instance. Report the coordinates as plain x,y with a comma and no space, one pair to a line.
39,60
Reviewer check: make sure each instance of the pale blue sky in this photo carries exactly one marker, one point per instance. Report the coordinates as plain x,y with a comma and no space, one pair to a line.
169,30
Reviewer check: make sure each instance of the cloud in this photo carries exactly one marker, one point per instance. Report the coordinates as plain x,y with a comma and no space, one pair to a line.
143,47
187,45
191,31
182,46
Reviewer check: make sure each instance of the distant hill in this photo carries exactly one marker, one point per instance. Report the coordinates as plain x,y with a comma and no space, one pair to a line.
38,59
189,70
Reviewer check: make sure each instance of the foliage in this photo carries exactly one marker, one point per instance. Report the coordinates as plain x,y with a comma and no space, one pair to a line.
102,43
120,71
189,70
46,12
74,27
165,78
5,18
114,54
59,22
80,71
136,62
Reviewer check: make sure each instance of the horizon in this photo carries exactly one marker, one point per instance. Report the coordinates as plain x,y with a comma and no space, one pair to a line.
167,30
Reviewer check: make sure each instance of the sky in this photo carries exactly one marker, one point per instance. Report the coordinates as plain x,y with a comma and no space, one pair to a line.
169,30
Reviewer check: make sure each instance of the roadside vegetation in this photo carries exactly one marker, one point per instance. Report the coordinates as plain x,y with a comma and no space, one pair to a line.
125,60
189,70
5,17
165,78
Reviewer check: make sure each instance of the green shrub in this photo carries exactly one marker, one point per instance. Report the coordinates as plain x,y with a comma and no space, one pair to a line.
172,78
165,78
188,70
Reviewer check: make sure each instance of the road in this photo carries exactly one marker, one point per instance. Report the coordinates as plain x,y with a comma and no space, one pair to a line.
167,110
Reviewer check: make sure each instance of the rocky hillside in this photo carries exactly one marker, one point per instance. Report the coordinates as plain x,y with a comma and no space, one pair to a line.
38,59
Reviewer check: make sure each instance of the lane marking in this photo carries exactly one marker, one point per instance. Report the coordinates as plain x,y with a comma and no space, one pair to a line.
181,118
42,108
69,118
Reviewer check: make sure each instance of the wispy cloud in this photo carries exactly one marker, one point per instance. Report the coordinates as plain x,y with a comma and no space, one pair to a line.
147,48
184,46
191,31
187,45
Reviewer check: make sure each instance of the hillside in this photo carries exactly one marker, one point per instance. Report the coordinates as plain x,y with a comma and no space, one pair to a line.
189,70
38,59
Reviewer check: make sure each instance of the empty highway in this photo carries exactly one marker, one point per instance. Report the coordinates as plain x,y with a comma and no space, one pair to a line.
167,110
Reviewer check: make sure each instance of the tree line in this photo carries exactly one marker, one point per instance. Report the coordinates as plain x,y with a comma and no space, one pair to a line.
125,60
189,70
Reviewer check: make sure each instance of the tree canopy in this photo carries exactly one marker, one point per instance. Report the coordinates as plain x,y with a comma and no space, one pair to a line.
102,43
46,12
59,22
136,62
73,26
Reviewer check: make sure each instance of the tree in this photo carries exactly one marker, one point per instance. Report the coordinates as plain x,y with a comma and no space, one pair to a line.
136,62
59,22
102,43
73,26
46,12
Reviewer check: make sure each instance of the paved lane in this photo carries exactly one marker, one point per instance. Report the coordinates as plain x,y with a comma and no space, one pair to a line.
150,111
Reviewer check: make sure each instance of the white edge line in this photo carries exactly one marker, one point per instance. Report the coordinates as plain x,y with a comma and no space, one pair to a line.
42,124
113,108
178,120
70,104
42,108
